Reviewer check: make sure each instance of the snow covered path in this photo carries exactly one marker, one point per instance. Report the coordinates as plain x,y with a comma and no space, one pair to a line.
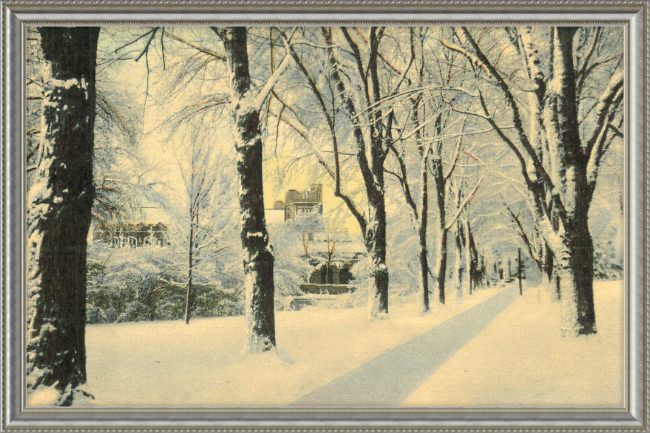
391,378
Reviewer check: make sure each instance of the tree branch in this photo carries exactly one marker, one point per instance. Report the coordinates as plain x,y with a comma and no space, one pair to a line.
330,122
455,161
463,204
403,179
523,235
195,46
603,110
481,58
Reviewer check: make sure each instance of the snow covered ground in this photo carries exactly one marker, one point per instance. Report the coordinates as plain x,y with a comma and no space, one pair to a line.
520,359
168,363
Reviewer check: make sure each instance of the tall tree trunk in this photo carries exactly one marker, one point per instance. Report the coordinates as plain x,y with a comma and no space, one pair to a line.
425,152
575,254
59,217
460,276
257,253
548,271
188,297
380,134
441,271
376,246
441,264
422,232
519,271
469,264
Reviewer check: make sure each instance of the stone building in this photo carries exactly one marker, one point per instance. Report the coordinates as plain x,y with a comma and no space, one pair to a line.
299,204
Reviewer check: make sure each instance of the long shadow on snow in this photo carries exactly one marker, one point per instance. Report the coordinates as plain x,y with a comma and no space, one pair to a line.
392,377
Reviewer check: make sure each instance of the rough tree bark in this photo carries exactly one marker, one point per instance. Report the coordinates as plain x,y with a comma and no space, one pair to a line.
372,168
60,203
460,276
441,198
574,255
257,253
422,229
419,218
559,167
189,295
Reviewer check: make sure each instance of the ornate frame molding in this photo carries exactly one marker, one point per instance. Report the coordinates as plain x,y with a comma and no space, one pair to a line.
634,15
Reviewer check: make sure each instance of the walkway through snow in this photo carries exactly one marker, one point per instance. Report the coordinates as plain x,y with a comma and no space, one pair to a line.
392,377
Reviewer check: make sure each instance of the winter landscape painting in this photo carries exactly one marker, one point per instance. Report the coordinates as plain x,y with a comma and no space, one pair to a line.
310,216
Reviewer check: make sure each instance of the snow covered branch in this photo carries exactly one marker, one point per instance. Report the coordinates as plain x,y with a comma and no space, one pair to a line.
464,203
606,102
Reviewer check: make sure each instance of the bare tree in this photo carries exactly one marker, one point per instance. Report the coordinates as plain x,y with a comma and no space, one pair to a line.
60,203
420,210
371,146
331,248
247,131
561,150
198,185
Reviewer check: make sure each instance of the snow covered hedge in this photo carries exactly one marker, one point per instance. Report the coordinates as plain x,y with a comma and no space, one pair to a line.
131,285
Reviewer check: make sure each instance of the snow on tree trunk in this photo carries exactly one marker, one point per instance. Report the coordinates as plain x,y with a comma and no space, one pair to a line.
575,255
441,265
370,160
441,268
257,253
460,276
575,274
188,297
376,246
468,257
422,231
60,203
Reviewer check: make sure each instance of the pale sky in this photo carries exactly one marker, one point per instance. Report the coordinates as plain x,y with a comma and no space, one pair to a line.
129,77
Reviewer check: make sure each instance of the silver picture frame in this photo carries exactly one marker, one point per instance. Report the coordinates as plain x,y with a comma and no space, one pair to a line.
633,15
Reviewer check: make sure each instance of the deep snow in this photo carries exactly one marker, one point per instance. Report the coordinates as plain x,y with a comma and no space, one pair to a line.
519,359
168,363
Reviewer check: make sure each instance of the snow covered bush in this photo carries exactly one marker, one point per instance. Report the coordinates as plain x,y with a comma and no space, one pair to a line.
137,284
292,260
608,251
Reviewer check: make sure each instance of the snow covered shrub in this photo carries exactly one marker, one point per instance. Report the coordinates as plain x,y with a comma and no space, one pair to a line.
210,300
95,315
608,261
362,283
607,229
137,284
292,261
402,266
402,257
133,312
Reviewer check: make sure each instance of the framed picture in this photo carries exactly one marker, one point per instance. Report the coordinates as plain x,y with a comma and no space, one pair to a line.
377,215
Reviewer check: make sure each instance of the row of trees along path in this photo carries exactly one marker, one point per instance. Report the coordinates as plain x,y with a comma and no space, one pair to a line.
532,95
